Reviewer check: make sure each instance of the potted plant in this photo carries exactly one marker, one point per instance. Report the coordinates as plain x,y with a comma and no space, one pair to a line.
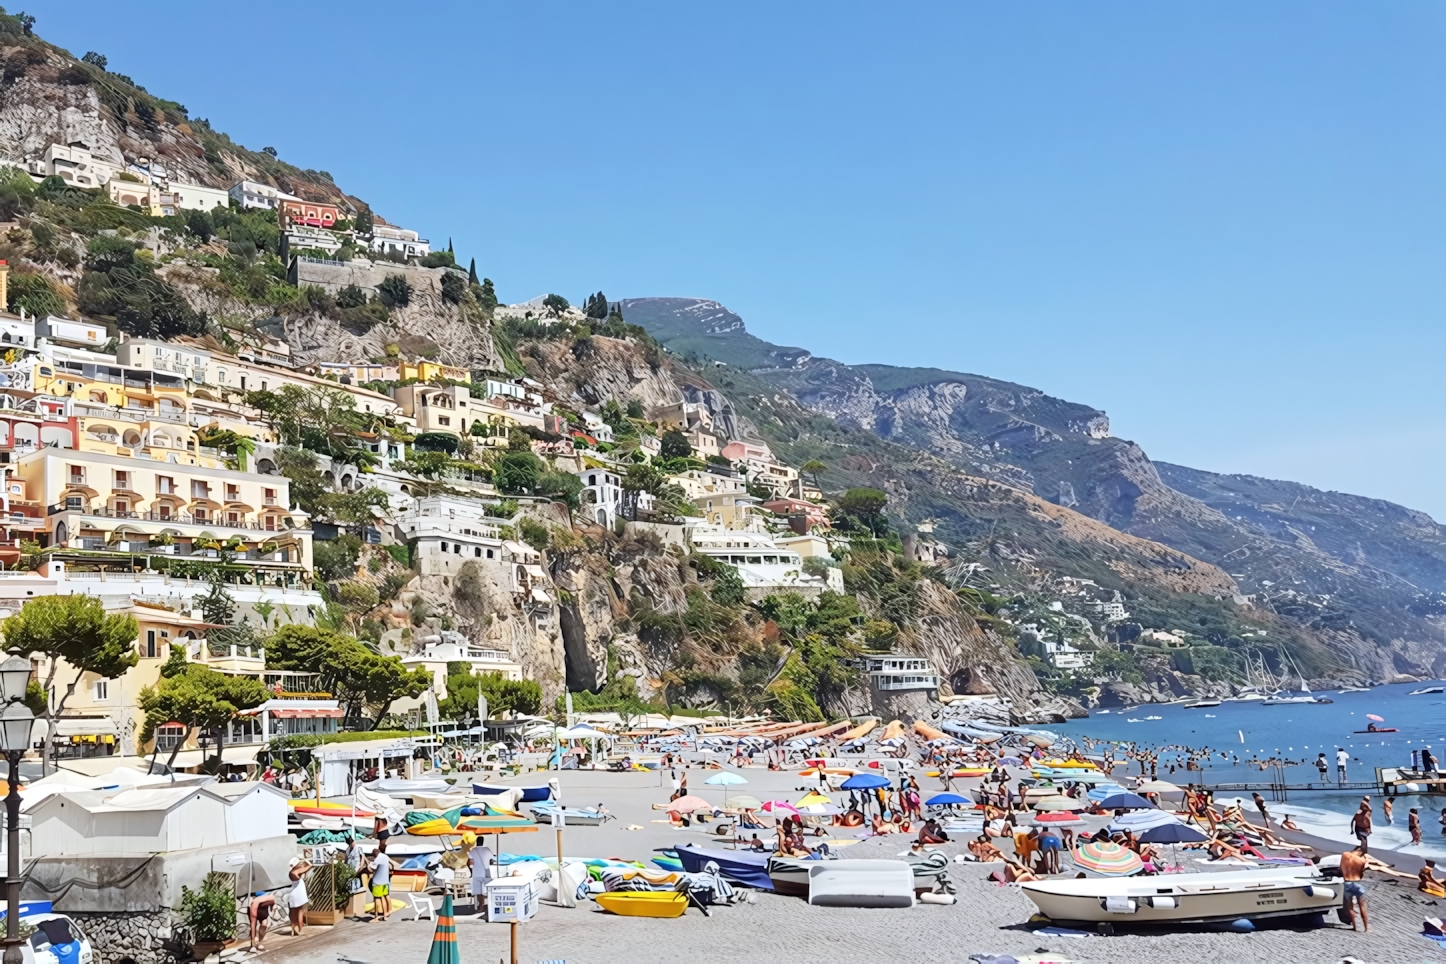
329,887
210,915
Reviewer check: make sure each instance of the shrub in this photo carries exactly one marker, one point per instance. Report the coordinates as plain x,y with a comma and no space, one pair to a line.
358,596
337,558
210,912
728,587
394,291
35,294
534,533
454,288
392,584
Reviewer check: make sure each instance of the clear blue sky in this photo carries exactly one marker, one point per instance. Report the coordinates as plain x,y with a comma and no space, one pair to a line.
1223,224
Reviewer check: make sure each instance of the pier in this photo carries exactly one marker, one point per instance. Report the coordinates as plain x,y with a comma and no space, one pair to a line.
1389,781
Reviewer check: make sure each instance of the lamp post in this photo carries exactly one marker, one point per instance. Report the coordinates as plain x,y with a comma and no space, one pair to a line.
16,723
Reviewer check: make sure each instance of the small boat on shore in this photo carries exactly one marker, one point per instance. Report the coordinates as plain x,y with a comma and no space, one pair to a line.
1183,898
738,866
529,794
542,812
861,883
643,903
790,875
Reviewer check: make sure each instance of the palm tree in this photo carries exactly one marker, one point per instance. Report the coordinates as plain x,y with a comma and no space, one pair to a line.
813,467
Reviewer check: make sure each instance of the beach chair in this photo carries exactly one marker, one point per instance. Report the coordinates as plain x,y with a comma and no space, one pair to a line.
422,907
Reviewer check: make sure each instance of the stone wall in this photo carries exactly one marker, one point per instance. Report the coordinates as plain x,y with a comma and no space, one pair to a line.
157,937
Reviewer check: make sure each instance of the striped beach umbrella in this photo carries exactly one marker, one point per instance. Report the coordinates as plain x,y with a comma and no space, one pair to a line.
1109,859
444,941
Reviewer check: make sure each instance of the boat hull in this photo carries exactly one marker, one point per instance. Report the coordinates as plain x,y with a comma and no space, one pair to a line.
861,883
790,875
739,866
643,903
1186,898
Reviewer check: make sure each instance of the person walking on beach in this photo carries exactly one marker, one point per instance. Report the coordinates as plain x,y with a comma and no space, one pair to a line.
1353,872
381,882
1361,826
1386,806
1413,824
1342,757
1322,766
258,916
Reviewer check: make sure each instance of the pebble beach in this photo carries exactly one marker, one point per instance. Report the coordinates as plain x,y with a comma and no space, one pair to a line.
988,918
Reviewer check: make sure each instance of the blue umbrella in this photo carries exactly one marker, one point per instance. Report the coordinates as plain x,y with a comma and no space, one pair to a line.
947,800
864,781
1173,833
1126,801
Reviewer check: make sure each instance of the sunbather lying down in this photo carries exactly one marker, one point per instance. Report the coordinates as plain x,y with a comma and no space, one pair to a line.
985,851
1013,872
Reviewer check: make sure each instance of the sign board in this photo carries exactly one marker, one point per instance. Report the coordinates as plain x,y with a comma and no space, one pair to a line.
433,712
559,819
482,709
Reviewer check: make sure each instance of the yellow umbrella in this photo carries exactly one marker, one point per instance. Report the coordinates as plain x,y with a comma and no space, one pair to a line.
812,799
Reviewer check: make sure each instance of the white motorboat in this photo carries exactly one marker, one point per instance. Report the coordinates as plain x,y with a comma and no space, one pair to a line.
1245,698
1288,700
1427,689
1184,898
1202,704
1154,717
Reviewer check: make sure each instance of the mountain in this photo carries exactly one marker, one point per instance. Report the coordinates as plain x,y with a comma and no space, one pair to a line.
1363,577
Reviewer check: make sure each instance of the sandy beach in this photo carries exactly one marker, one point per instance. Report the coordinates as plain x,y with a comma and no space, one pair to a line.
988,919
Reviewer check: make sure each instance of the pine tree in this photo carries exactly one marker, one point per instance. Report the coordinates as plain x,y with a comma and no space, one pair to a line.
449,246
472,273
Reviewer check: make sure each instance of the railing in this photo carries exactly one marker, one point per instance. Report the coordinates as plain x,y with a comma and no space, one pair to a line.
178,518
492,655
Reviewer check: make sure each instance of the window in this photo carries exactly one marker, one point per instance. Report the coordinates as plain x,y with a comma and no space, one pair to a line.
150,644
489,553
444,547
477,553
165,485
443,420
100,690
77,475
74,502
233,493
169,737
268,496
200,490
122,480
457,549
122,507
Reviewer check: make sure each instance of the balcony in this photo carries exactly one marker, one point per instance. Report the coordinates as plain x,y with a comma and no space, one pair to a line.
174,518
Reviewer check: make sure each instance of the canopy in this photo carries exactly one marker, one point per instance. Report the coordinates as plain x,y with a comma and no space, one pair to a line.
1126,801
581,732
744,802
1109,859
688,804
864,781
1173,833
726,778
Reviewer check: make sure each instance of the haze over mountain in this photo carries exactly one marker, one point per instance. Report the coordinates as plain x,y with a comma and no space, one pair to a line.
1329,560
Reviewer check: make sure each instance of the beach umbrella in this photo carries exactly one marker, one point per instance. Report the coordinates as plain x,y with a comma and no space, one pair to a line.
725,779
1374,718
1138,821
948,800
1011,761
865,781
690,803
744,802
773,806
812,799
1126,801
1104,790
1108,859
1057,802
1059,818
1158,786
444,940
1173,833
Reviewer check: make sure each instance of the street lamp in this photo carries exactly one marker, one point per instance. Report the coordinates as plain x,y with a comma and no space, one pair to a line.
16,724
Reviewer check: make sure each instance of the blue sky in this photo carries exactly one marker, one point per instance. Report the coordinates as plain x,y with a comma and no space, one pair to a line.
1223,224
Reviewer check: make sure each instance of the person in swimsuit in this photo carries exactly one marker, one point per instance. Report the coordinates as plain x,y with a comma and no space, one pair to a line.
258,917
1353,871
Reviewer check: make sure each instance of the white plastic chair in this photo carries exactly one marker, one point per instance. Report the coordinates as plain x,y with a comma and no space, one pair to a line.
422,907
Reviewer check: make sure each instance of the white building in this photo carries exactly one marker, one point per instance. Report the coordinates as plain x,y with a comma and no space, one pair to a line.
893,672
16,331
1065,656
75,164
451,531
254,194
190,361
68,332
194,197
436,654
596,427
390,239
760,562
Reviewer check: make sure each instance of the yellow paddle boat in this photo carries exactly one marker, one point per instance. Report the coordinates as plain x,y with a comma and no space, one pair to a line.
643,903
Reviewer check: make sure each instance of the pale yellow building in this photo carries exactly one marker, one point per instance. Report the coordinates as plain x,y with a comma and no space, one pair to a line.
425,371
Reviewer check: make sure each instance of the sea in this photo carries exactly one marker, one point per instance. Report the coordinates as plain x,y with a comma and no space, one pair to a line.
1297,733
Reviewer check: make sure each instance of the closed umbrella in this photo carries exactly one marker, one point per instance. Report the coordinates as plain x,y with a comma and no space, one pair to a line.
1109,859
444,940
1058,802
1126,801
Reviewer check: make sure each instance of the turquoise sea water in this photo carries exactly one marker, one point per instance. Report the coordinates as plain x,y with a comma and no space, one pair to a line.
1297,733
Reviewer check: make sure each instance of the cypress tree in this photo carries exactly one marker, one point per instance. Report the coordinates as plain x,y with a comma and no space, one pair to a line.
472,273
